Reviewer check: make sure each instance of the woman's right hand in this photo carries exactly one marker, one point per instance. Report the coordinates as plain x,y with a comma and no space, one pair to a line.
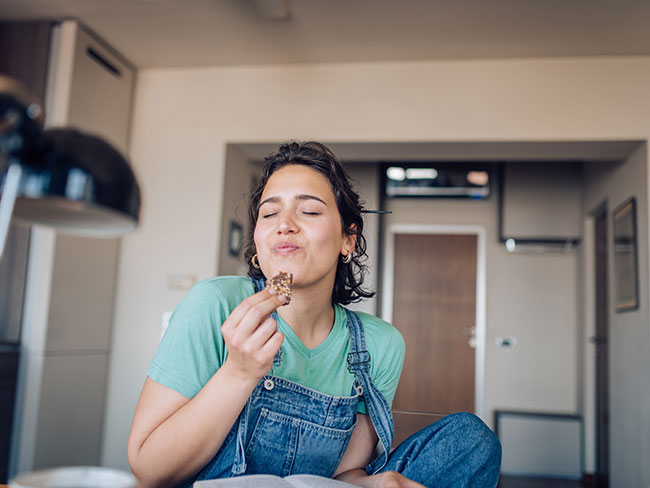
173,436
251,336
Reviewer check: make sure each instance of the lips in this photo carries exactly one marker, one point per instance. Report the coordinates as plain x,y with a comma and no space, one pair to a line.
285,249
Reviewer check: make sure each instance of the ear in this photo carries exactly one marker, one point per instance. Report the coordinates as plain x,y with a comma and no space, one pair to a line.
349,241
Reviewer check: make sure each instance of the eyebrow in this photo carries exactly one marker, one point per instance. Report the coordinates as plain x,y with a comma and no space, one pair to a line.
297,197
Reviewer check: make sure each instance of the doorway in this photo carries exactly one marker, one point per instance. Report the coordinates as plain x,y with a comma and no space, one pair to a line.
434,293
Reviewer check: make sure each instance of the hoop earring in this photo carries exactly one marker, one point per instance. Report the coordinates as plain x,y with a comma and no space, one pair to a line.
346,259
255,262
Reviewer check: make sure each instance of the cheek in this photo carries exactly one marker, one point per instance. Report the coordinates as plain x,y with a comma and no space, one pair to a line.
257,236
325,236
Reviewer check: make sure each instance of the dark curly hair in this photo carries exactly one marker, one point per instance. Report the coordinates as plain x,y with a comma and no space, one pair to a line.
349,276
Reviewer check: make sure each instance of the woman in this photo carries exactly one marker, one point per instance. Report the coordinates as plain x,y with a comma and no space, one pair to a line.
244,382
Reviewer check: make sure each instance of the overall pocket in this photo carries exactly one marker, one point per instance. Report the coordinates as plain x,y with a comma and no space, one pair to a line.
284,445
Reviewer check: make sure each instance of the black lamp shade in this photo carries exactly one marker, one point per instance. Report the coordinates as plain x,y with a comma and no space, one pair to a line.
79,184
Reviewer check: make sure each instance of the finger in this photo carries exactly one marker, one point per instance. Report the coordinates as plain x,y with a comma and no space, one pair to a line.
273,344
262,333
256,314
242,309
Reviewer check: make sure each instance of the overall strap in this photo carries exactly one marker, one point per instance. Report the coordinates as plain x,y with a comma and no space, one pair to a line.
376,404
239,463
358,357
259,284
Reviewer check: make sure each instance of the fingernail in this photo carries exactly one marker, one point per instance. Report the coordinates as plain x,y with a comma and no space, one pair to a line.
272,290
283,299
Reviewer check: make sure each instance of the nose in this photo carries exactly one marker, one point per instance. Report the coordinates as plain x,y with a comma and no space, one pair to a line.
287,224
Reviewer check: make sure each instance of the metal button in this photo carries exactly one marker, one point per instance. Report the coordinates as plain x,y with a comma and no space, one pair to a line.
268,384
360,390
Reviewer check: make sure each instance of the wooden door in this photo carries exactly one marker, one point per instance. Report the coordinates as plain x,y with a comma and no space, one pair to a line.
602,361
434,307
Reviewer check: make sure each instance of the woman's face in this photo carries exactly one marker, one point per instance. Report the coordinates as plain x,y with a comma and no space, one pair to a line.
299,227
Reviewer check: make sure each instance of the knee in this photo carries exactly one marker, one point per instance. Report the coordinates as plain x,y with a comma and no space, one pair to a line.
459,445
477,438
460,434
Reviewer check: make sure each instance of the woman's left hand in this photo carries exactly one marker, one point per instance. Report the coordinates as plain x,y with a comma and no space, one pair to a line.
392,479
388,479
359,452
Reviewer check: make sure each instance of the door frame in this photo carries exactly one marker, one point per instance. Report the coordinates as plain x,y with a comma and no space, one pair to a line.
601,381
388,276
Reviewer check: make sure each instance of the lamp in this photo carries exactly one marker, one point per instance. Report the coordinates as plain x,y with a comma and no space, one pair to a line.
65,178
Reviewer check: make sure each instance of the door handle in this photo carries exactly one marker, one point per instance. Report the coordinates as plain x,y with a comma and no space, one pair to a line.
471,333
598,340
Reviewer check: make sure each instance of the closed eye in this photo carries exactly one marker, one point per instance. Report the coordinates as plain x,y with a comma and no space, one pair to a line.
266,216
311,213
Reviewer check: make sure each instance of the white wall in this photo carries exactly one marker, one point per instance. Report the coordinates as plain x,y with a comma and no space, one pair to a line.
183,120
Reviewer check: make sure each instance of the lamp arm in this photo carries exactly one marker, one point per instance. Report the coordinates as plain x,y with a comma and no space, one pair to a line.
7,200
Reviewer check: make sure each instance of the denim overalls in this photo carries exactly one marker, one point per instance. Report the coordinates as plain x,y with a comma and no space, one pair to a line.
286,428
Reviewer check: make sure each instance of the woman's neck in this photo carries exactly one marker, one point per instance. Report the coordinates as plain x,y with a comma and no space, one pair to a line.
310,314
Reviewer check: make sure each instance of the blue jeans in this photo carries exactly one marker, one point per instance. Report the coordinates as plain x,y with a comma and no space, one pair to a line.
457,451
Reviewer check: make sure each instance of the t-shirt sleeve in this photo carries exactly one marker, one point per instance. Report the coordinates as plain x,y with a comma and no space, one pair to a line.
192,348
386,346
389,366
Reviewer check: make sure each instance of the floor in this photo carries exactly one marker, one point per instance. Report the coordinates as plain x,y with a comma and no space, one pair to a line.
522,482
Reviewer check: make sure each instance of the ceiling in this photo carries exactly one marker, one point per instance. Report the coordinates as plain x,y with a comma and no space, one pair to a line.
192,33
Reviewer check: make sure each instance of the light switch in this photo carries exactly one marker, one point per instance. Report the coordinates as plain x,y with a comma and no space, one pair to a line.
506,342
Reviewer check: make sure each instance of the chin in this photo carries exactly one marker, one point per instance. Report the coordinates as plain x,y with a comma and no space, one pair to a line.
284,268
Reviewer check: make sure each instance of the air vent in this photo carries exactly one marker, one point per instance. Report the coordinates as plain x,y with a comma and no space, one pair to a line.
102,61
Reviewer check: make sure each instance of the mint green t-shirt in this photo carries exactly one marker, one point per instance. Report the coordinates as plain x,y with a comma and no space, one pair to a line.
192,348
